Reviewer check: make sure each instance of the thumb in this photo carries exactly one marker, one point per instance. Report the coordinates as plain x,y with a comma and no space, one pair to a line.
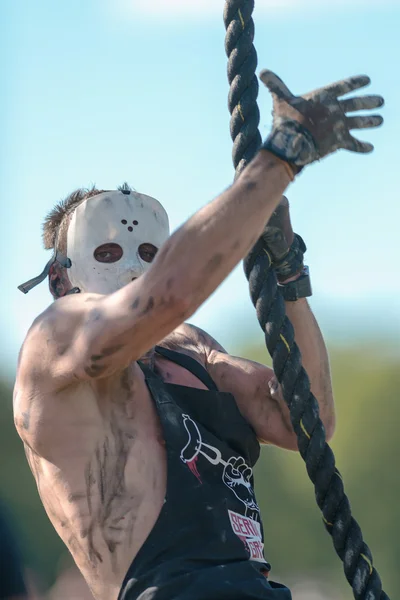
275,84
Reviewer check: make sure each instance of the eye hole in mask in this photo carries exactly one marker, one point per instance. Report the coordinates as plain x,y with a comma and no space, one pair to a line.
147,252
108,253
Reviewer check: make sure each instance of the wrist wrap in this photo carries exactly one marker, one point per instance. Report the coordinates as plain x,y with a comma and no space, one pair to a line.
293,261
300,288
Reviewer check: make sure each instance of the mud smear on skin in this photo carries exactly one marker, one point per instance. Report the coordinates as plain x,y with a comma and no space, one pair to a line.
95,370
149,306
105,479
136,303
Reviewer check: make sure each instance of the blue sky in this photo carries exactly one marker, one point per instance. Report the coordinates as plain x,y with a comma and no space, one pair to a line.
105,91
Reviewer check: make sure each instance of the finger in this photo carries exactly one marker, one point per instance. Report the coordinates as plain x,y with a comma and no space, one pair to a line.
238,462
355,145
339,88
247,473
364,122
275,84
361,103
242,467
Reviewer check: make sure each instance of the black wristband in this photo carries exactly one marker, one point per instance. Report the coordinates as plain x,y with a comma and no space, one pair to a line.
293,261
300,288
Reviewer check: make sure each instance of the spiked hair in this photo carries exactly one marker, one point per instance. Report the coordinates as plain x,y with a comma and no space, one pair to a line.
56,222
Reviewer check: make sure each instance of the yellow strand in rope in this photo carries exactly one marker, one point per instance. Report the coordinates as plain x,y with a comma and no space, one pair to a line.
368,562
241,18
304,429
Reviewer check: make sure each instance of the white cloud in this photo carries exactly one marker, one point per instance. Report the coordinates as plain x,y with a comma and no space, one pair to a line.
210,8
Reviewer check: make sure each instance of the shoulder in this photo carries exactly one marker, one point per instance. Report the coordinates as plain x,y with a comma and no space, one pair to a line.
50,335
58,322
62,313
45,367
193,341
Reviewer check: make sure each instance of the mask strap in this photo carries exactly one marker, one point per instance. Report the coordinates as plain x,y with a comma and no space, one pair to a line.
74,290
59,257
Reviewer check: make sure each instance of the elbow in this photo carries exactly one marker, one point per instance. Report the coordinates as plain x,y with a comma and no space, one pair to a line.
330,426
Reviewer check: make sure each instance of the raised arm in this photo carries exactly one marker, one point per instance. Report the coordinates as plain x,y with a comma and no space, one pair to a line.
94,336
102,335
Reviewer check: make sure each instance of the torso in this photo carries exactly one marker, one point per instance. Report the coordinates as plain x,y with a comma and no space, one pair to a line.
101,470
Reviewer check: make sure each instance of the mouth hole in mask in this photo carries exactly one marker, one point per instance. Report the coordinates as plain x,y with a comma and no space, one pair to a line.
108,253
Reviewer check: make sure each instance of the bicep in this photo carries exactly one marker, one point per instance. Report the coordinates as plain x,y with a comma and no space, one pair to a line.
123,326
258,396
254,387
88,336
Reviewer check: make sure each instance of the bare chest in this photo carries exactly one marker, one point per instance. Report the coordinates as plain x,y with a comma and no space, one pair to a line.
106,482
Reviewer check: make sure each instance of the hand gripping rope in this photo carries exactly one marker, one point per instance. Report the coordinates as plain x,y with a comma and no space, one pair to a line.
279,334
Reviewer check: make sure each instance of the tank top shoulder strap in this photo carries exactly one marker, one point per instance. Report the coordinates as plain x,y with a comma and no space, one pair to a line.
189,363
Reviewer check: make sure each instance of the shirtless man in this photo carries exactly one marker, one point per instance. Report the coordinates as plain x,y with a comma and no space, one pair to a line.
140,430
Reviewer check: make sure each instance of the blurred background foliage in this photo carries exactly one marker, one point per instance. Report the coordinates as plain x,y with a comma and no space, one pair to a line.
366,384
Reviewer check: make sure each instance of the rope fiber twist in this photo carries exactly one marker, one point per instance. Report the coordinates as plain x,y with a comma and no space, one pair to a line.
279,333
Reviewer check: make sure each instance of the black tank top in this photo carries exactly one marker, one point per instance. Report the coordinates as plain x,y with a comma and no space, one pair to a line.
207,543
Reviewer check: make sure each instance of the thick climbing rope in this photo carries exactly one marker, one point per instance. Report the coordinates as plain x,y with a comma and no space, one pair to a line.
279,334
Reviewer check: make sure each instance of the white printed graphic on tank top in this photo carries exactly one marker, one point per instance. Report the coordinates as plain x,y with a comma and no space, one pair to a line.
236,476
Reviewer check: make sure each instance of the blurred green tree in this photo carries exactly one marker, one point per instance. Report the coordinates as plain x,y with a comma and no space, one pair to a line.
41,546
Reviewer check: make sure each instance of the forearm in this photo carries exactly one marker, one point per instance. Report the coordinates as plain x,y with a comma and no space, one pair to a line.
203,252
314,357
189,266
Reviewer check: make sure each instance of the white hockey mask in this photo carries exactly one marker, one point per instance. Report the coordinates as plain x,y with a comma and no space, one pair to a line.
125,218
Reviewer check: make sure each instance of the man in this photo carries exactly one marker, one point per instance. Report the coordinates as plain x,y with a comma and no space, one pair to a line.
141,431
